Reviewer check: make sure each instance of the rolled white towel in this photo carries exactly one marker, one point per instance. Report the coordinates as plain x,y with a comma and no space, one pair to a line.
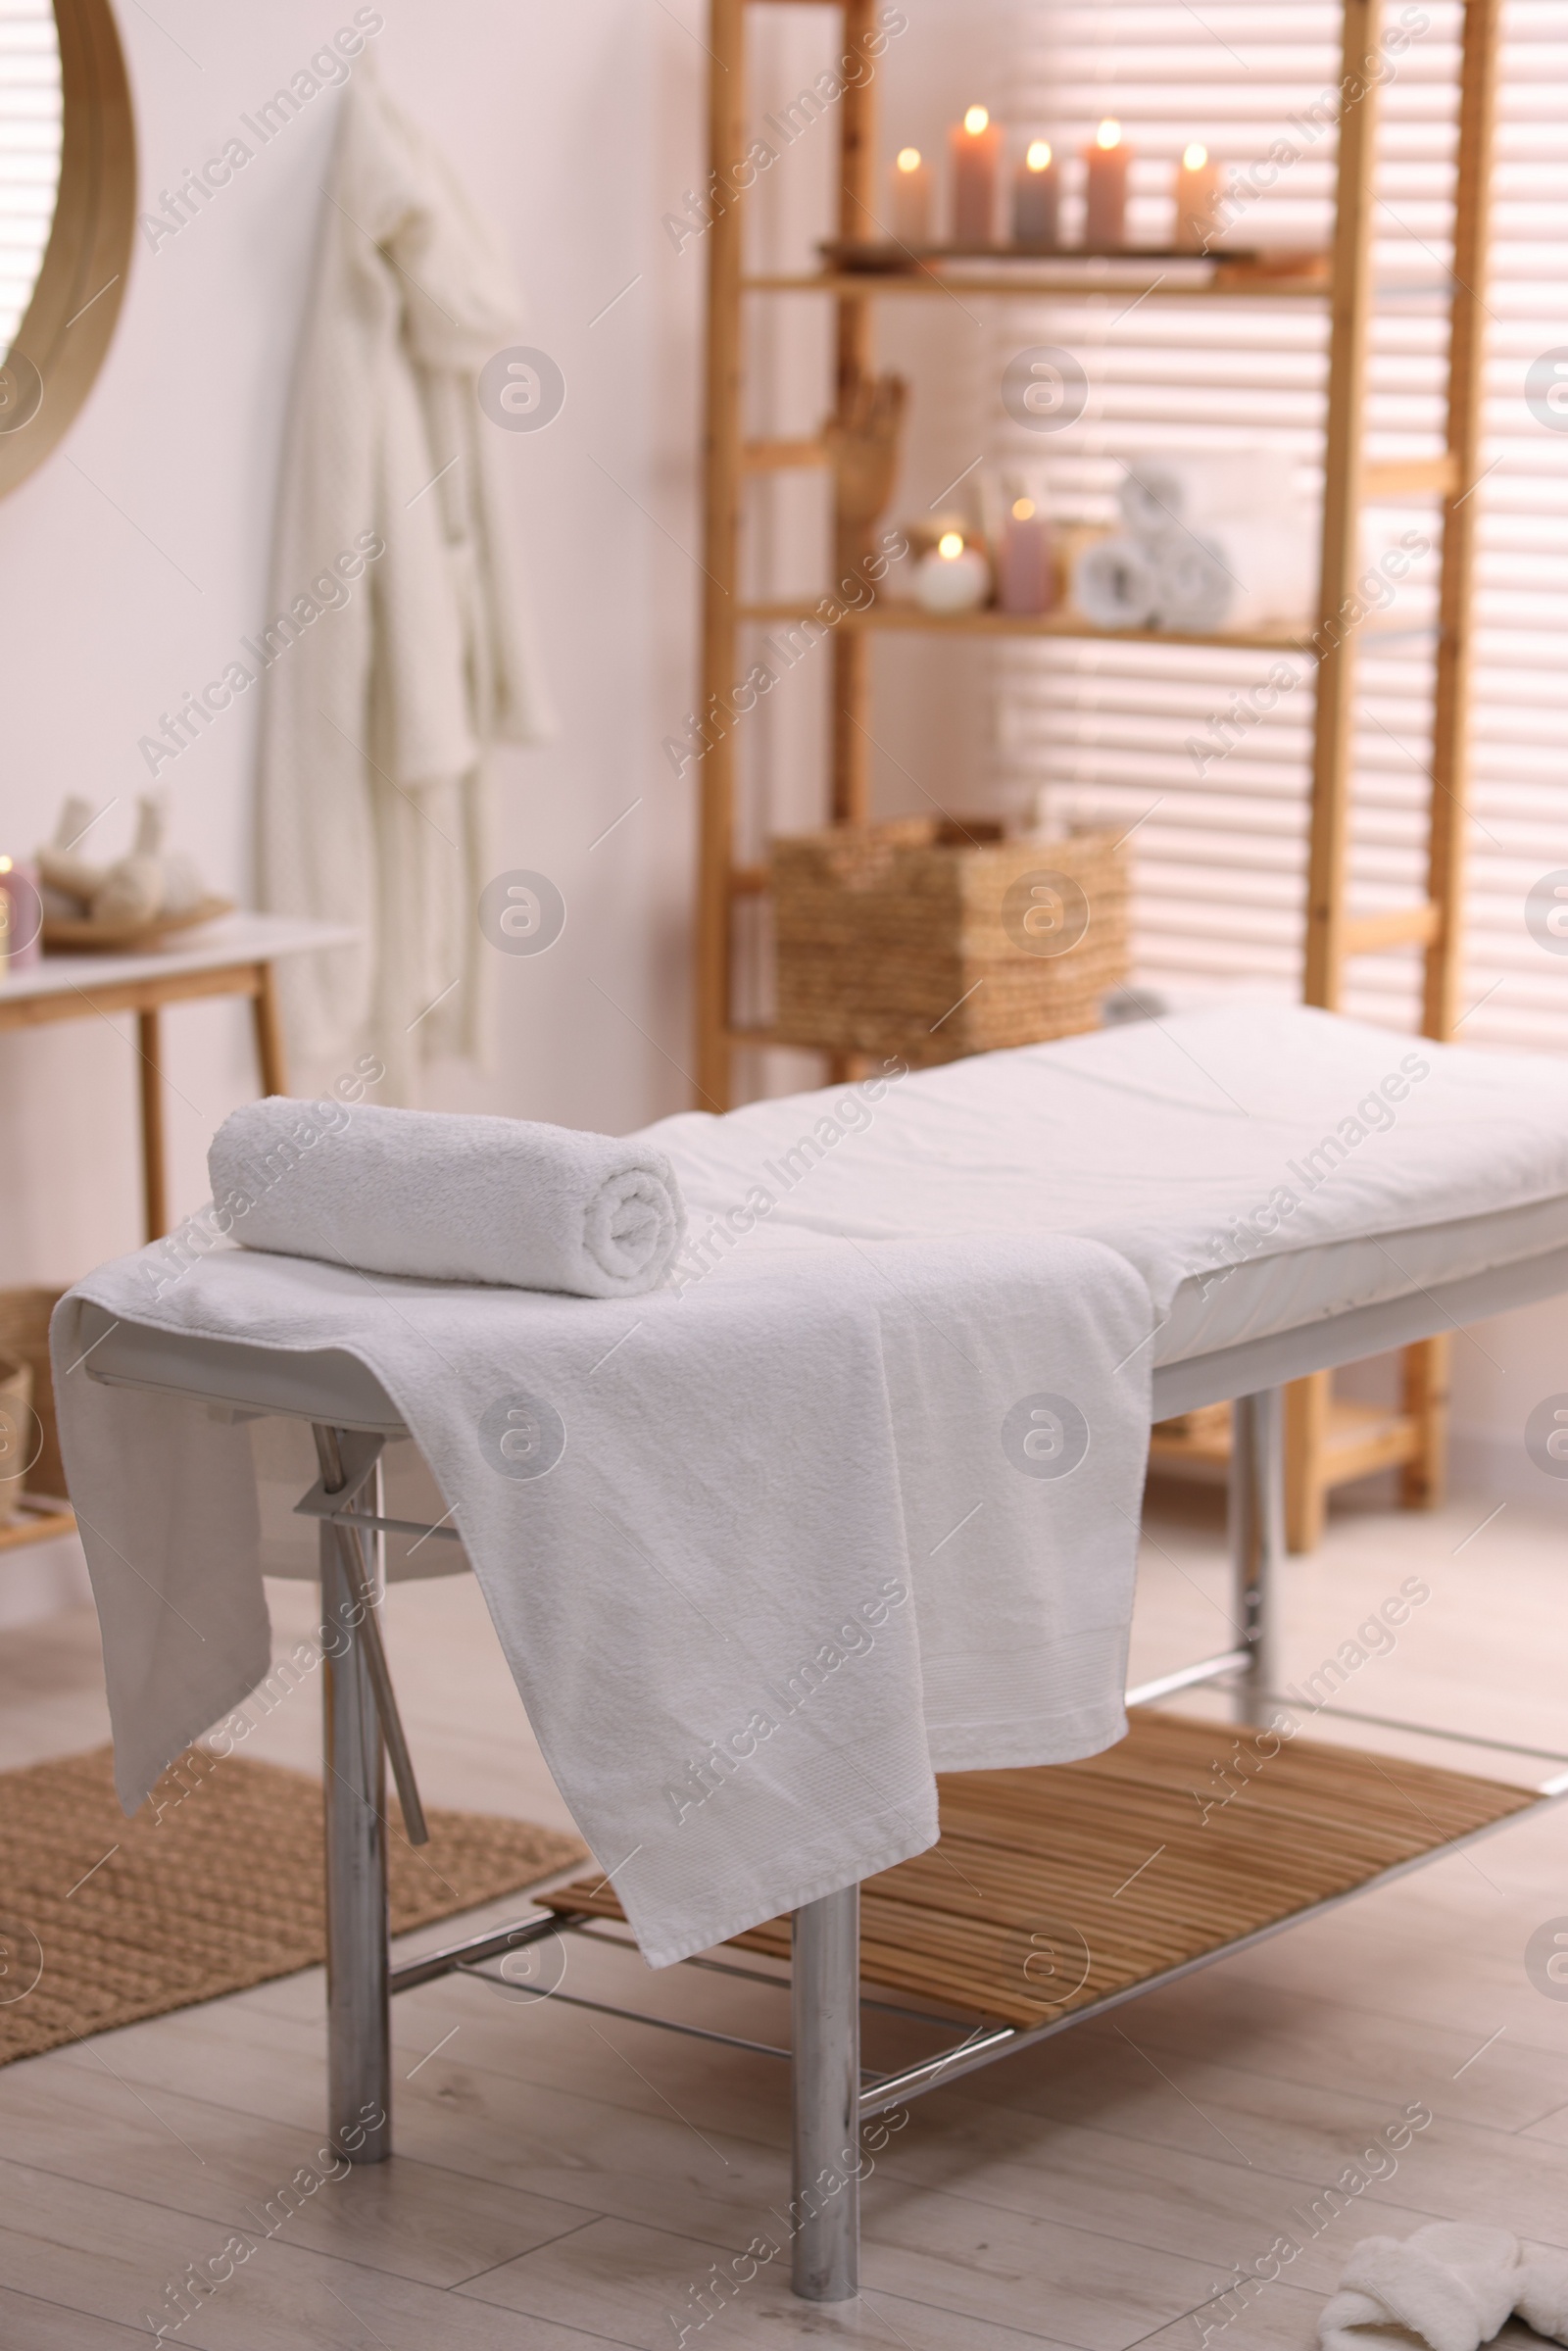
1113,583
1160,492
1235,575
454,1200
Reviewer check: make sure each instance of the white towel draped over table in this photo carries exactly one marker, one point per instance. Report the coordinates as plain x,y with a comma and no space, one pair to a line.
799,1539
893,1301
373,798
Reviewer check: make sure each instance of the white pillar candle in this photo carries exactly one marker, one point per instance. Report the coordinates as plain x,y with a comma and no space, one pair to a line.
21,916
1106,190
1026,570
976,144
952,577
1197,193
912,198
1036,188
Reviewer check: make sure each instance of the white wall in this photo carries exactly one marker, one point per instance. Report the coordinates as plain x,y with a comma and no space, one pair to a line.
134,562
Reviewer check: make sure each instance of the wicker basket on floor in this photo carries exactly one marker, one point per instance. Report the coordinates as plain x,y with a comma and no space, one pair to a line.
914,938
25,1333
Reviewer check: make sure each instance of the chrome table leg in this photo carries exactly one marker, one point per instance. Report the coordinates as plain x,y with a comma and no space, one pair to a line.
1257,1539
357,2024
825,2000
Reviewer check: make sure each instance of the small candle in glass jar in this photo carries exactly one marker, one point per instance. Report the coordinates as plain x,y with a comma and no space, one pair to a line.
21,916
912,198
976,144
1197,193
1026,571
952,577
1106,190
1036,186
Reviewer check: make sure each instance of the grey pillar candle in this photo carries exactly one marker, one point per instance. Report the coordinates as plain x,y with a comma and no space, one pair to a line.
1036,189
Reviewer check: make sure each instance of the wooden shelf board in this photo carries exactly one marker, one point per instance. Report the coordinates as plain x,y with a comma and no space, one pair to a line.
1027,279
37,1525
1050,1869
888,613
1358,1439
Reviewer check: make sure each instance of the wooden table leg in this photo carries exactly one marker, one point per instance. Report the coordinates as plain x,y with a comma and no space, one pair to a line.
1306,1422
268,1032
1425,1378
155,1180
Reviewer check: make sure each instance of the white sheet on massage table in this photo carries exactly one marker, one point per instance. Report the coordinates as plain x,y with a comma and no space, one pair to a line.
1157,1139
1462,1205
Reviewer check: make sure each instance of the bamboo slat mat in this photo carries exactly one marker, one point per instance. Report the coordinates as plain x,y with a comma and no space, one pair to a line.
216,1886
1053,1886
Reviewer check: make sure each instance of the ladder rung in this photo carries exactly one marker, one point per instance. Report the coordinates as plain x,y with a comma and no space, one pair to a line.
1404,477
747,881
1401,926
777,457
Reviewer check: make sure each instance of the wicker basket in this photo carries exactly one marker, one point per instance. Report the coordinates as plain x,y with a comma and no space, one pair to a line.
910,938
25,1333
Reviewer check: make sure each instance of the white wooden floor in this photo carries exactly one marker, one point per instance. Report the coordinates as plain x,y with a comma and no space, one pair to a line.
563,2179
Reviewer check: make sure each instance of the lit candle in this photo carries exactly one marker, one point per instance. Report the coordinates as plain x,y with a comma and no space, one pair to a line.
976,145
1105,193
1197,180
1036,186
952,577
1026,573
21,916
912,198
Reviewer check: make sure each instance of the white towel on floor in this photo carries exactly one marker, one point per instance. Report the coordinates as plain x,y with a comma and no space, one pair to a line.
454,1200
763,1554
1451,2284
1113,583
1233,575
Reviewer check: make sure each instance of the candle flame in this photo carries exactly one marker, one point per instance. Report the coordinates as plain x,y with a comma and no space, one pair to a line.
949,543
1022,509
976,121
908,159
1038,157
1109,133
1195,157
5,864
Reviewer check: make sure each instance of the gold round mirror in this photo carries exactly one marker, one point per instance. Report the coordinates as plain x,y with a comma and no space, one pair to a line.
68,210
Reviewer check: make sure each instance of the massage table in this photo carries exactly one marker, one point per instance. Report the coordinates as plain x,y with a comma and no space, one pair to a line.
1305,1311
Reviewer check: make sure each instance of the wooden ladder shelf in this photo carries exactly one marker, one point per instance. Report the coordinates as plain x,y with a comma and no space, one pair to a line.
1329,1441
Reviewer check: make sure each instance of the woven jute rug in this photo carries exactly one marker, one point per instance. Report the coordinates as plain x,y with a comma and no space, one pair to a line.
217,1884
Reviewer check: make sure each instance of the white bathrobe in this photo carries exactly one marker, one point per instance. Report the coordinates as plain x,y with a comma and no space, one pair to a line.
379,710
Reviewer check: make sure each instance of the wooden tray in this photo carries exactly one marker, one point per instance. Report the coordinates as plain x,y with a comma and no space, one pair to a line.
69,936
1280,261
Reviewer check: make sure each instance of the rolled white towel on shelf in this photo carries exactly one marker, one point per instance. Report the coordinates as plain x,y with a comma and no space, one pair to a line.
498,1200
1161,493
1233,575
1113,583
